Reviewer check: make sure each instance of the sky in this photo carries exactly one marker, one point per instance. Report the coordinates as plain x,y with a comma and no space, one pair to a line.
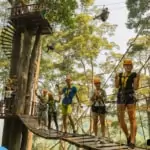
118,15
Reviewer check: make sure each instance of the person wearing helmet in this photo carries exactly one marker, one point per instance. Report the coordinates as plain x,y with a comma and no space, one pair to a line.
8,98
98,107
43,108
69,92
52,111
127,82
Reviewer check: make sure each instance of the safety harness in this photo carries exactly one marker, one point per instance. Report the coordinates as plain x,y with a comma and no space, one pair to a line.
126,85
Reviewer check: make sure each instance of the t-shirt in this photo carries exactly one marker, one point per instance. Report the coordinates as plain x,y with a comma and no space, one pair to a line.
69,93
43,98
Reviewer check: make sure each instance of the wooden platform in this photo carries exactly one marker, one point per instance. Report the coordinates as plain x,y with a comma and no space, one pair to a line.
88,142
29,16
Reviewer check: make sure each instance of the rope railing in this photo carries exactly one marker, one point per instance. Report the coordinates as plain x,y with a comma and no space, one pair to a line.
6,106
31,121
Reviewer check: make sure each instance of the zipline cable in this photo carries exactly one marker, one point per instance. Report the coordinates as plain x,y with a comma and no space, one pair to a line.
109,4
116,3
131,44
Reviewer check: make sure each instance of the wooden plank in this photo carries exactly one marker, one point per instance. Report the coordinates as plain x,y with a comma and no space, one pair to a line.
79,137
86,140
103,145
115,148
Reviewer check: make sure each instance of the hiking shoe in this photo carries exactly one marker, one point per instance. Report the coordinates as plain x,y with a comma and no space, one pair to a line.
74,132
131,146
148,142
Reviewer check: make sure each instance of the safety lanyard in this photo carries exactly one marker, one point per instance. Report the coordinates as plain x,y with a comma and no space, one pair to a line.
124,79
67,91
100,96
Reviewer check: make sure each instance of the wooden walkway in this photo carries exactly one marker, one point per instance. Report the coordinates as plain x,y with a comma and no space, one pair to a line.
84,141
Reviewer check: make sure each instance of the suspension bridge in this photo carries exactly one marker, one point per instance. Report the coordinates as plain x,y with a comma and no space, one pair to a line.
30,15
84,140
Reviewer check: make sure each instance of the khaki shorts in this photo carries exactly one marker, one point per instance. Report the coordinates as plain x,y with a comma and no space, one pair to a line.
66,109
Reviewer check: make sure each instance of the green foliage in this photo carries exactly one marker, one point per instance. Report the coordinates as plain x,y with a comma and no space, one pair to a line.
141,44
138,10
62,11
79,46
3,10
87,2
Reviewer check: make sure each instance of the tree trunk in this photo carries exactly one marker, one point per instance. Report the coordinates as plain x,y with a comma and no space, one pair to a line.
23,72
15,136
148,116
85,73
31,77
24,140
32,71
91,121
13,71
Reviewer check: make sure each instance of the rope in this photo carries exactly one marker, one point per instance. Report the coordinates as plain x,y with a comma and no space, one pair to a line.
144,64
142,125
131,44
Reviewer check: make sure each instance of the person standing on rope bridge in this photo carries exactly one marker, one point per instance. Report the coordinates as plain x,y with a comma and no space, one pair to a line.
8,98
69,93
52,111
43,108
98,107
127,82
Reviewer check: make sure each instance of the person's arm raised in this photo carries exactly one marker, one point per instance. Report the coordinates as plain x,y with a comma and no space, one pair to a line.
136,81
77,97
117,80
59,92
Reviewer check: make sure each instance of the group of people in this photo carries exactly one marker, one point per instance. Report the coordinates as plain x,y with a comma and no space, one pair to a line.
126,83
47,109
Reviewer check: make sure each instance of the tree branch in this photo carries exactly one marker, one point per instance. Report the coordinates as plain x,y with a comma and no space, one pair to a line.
10,1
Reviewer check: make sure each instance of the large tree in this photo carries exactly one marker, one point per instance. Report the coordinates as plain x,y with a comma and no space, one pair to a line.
138,14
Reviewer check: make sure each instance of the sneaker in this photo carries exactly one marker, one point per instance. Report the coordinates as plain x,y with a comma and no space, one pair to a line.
148,142
74,132
131,146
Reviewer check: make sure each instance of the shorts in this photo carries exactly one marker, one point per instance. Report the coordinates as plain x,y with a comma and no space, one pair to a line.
66,109
94,114
98,109
126,98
